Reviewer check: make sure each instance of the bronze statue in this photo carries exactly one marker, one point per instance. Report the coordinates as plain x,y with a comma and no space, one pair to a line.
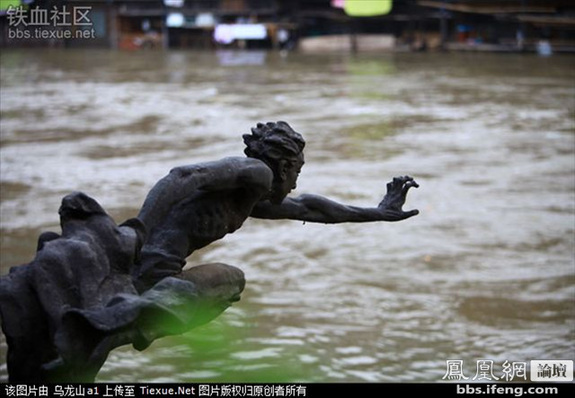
99,285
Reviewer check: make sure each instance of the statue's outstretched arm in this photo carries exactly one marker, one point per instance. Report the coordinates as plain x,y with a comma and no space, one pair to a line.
314,208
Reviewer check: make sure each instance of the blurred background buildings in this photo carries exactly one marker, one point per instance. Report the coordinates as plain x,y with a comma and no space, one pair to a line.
309,25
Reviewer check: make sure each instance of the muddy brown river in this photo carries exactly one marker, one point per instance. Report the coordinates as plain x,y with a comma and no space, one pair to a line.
485,272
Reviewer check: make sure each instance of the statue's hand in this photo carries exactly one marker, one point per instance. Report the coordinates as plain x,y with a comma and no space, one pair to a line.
392,203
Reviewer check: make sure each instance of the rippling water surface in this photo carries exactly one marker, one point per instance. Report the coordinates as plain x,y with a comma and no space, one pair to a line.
486,271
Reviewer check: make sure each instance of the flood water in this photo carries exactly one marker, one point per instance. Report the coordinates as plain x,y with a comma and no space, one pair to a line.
486,271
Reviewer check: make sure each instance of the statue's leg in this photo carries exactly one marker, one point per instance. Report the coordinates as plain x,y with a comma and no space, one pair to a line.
194,297
216,281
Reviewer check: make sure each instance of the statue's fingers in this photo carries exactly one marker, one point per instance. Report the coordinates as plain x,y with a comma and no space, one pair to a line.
409,179
408,185
398,182
404,180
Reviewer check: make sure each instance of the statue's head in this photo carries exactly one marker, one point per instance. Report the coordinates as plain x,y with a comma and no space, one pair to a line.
281,148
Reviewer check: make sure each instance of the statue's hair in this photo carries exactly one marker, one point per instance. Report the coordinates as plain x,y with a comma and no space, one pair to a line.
273,141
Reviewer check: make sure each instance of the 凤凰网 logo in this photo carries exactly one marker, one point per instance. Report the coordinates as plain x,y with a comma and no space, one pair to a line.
487,370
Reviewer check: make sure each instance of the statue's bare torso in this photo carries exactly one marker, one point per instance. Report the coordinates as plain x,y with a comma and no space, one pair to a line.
196,205
203,218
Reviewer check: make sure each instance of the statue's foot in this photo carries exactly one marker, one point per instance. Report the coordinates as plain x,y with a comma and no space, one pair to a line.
216,281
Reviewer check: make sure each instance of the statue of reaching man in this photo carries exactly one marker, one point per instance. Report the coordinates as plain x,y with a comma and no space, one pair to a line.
198,204
98,285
